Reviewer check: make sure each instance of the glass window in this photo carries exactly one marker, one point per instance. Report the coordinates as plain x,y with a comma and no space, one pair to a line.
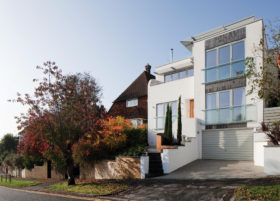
183,74
174,108
190,72
238,96
224,115
224,72
238,51
211,116
224,55
167,78
211,75
238,68
211,58
160,110
211,101
224,99
175,76
132,102
238,113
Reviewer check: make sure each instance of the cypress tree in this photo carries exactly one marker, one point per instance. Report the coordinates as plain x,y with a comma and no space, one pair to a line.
169,131
179,127
165,138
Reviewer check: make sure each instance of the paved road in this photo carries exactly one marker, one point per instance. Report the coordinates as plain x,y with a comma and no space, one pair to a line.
14,195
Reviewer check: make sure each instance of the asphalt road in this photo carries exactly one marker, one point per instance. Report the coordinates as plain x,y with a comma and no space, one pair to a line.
14,195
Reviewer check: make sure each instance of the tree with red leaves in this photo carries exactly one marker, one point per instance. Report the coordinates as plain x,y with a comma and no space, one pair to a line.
63,113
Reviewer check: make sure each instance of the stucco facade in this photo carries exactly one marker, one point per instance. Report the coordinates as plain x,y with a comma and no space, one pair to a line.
248,32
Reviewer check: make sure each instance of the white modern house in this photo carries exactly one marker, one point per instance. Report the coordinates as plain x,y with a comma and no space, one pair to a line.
218,118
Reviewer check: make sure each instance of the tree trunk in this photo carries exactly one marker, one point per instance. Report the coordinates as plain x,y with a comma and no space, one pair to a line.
70,172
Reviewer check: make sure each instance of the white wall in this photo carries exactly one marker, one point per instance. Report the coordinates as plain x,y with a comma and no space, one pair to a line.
260,140
254,33
144,166
199,92
167,92
271,160
173,159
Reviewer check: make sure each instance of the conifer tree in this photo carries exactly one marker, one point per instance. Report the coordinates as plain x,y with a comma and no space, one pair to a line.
179,127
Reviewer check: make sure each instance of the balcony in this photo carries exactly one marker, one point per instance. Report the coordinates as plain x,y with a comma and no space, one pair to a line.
233,114
223,72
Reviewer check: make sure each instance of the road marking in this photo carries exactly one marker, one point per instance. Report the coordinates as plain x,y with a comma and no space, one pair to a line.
55,194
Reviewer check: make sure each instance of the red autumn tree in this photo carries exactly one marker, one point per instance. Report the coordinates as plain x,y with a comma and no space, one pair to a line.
63,113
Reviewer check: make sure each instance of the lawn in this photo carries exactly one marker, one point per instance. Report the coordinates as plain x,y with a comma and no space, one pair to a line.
262,193
89,188
18,183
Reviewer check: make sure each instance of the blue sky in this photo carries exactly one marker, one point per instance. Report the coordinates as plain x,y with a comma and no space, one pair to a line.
111,39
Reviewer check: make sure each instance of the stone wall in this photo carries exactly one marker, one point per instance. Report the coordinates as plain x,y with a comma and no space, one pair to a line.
121,168
40,172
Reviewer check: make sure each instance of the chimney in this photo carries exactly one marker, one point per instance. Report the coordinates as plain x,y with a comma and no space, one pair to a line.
148,68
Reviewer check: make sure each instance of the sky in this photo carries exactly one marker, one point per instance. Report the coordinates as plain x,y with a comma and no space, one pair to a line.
110,39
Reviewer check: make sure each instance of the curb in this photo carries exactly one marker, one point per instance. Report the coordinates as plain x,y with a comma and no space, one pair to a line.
56,194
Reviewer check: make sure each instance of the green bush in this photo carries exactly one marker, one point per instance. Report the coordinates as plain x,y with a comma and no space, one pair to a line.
135,143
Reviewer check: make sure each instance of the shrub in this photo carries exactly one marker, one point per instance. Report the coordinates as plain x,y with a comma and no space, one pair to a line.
168,137
179,126
135,143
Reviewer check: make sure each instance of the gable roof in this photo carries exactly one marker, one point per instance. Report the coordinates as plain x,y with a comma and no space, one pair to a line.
138,88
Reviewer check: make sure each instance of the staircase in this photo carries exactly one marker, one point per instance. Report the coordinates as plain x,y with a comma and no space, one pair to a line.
155,165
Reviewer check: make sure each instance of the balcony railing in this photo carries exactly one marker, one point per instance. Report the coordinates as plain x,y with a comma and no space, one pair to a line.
233,114
226,71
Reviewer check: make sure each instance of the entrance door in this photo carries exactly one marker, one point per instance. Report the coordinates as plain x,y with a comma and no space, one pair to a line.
49,169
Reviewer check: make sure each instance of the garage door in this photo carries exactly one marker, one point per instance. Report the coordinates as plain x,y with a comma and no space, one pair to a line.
230,144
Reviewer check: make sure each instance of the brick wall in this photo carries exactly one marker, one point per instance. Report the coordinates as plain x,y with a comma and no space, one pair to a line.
120,109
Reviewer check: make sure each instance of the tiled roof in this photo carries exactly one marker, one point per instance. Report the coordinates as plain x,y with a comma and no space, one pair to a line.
138,88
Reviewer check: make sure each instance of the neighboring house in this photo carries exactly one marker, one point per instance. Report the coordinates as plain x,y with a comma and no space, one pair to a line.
132,103
215,109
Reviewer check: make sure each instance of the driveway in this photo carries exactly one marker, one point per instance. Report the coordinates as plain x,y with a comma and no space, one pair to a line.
216,169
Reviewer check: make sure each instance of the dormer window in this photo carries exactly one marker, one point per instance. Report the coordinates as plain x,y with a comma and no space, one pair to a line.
132,102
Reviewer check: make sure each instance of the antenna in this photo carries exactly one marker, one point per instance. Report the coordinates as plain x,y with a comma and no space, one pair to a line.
171,54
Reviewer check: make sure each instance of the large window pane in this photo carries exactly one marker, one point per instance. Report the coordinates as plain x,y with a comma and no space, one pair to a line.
175,76
183,74
174,108
211,75
190,72
160,122
224,72
160,110
211,116
238,114
238,68
238,51
167,78
211,101
224,99
211,59
224,55
238,96
224,115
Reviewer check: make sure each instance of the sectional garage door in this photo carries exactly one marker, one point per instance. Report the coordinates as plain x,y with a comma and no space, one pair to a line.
229,144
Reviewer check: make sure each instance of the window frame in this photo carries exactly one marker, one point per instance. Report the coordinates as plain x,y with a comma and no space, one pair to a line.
178,74
231,107
132,99
218,65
